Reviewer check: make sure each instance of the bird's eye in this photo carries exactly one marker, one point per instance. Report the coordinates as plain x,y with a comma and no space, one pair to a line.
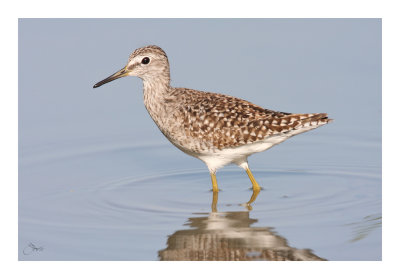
145,60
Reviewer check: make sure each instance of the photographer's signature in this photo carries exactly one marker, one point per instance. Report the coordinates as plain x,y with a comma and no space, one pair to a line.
31,248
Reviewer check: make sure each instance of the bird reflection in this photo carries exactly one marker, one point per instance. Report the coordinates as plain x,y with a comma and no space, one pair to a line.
227,236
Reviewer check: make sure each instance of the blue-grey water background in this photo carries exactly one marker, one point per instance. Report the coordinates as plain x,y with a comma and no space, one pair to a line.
98,181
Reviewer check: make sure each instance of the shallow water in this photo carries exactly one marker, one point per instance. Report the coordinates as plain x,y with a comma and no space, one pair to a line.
98,202
98,181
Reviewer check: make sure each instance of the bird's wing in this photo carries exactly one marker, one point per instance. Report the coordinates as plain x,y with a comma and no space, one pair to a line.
227,121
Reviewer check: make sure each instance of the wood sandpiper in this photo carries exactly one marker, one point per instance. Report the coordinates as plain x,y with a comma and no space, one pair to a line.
215,128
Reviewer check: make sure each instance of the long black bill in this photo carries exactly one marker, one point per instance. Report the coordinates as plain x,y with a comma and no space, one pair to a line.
119,74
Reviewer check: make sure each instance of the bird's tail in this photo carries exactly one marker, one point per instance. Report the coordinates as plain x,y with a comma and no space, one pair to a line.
301,123
314,119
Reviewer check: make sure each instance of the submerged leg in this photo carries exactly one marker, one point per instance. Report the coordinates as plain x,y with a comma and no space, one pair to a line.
252,199
256,189
214,202
214,182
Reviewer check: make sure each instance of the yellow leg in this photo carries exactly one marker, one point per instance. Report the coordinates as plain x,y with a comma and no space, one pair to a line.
214,202
214,182
252,199
256,187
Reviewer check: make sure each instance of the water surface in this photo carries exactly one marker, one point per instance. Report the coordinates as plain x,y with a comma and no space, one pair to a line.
105,203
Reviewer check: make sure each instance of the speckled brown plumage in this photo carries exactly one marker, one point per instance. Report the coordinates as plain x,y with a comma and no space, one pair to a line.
222,121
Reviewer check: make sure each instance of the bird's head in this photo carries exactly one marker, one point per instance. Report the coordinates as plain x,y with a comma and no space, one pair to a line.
149,63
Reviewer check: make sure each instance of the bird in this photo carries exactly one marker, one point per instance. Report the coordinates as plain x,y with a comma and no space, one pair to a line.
216,128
